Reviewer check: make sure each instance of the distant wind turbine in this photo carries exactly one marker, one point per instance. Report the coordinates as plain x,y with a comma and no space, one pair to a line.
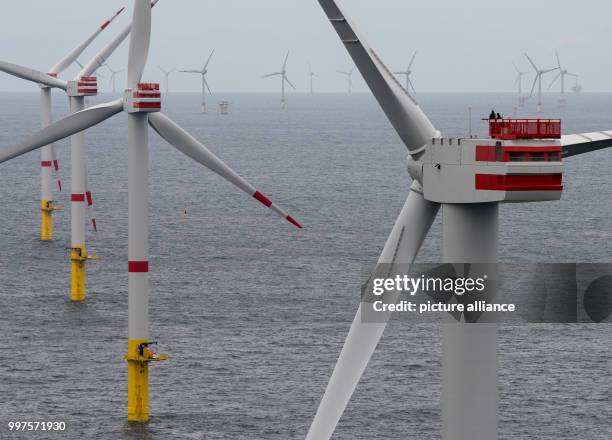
519,83
167,74
407,73
349,76
562,74
538,80
205,85
113,76
312,75
283,74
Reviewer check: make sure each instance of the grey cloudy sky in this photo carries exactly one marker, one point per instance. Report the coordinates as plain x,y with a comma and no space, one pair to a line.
464,46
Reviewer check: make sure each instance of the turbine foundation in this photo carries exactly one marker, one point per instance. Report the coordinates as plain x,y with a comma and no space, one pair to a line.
78,258
46,220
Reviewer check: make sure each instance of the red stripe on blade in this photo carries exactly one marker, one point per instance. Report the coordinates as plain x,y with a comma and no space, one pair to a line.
138,266
263,199
56,164
59,184
77,197
293,221
93,222
45,163
89,199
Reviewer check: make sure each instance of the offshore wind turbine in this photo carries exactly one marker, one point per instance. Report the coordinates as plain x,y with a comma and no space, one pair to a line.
562,74
142,104
519,82
48,156
538,80
167,74
407,74
284,79
349,78
83,85
465,178
311,76
113,78
203,72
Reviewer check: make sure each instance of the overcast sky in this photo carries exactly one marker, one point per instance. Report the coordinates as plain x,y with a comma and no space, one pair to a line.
463,46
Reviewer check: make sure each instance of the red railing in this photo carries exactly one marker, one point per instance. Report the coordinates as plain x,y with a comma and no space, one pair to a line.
525,128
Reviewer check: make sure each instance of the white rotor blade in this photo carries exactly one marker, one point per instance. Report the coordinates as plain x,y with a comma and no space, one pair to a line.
32,75
402,246
63,128
412,60
289,82
188,145
100,59
272,74
56,167
139,42
535,81
191,71
575,144
558,59
411,85
208,60
554,80
285,63
532,63
207,86
71,57
413,127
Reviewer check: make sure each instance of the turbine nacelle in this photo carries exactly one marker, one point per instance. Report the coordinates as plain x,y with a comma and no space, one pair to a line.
145,99
83,86
519,163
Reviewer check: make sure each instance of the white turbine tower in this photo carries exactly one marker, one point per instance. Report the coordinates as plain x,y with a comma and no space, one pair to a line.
48,157
84,84
538,80
167,74
465,178
142,104
349,78
519,83
283,74
113,78
562,74
203,72
407,74
311,76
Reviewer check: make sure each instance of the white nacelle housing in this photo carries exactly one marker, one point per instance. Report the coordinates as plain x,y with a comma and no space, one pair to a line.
490,170
84,86
145,99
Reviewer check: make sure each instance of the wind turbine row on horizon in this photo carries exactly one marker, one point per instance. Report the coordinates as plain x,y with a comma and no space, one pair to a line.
348,73
537,81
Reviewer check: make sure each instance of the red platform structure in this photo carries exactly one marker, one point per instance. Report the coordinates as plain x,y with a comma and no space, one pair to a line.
508,129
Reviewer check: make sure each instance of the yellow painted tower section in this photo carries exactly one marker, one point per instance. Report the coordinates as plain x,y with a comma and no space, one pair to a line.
46,220
78,258
138,381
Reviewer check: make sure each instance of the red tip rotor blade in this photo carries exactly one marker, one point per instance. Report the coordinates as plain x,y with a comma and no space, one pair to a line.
268,203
